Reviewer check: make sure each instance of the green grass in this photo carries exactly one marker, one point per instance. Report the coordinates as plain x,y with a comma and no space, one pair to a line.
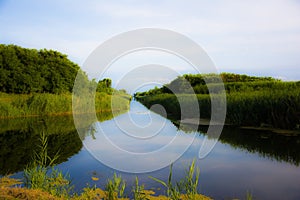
42,178
45,104
187,186
275,108
39,176
251,101
115,187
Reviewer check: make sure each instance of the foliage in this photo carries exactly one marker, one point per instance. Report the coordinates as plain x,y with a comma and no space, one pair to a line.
54,185
213,83
138,191
251,101
90,194
104,86
14,105
187,188
37,175
115,188
15,193
25,71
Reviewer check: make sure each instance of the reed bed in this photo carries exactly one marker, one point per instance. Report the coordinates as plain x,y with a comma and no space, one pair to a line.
274,108
44,104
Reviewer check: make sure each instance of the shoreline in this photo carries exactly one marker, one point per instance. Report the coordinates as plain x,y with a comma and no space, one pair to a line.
207,122
60,114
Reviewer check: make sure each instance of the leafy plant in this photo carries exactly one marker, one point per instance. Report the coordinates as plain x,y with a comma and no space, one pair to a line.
41,174
187,186
138,190
115,187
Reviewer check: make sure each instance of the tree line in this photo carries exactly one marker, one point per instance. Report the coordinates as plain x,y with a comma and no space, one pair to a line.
24,71
215,83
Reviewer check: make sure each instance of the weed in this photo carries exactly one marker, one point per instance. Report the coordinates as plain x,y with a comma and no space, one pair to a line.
39,176
115,187
187,186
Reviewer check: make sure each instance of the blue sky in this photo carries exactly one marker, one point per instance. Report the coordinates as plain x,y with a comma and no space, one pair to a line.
253,37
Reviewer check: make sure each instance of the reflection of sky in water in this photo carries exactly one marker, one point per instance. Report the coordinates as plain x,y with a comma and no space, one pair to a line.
124,146
226,172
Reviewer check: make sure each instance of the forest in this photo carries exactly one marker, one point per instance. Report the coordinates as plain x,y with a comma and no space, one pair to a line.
250,101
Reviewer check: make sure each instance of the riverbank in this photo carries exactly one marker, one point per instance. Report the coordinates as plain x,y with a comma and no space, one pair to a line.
45,104
208,122
42,183
90,193
249,101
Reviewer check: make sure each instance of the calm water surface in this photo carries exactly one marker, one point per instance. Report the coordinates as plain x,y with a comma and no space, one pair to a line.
262,163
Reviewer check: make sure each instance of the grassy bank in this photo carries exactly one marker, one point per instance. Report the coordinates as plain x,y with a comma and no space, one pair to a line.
250,101
43,181
9,190
43,104
277,109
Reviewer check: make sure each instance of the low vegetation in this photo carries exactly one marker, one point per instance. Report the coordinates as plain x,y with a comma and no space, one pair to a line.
16,105
43,181
251,101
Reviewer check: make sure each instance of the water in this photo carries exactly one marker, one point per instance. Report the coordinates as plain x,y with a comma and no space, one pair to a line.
262,163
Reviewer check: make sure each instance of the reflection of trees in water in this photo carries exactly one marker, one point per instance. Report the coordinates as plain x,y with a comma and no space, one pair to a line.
20,137
267,144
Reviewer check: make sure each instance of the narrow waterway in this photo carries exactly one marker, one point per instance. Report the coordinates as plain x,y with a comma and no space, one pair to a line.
261,163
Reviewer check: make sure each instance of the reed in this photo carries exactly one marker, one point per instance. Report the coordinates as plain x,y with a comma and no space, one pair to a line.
45,104
41,174
274,108
186,188
115,188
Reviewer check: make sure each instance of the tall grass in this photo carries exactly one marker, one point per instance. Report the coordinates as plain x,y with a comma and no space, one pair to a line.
276,108
138,190
279,109
187,188
12,105
40,175
43,179
115,188
251,101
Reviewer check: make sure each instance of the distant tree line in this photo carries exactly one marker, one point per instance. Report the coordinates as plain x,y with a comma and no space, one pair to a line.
214,83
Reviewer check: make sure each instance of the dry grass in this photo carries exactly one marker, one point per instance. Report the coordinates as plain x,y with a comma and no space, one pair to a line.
9,190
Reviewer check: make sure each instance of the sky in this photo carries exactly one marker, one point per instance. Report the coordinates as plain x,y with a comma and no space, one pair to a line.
251,37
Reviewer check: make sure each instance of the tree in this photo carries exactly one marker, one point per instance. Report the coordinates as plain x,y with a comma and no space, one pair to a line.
29,70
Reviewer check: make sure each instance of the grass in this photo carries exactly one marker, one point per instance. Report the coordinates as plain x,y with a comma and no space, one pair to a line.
115,188
38,175
251,101
43,181
52,186
45,104
186,188
277,108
